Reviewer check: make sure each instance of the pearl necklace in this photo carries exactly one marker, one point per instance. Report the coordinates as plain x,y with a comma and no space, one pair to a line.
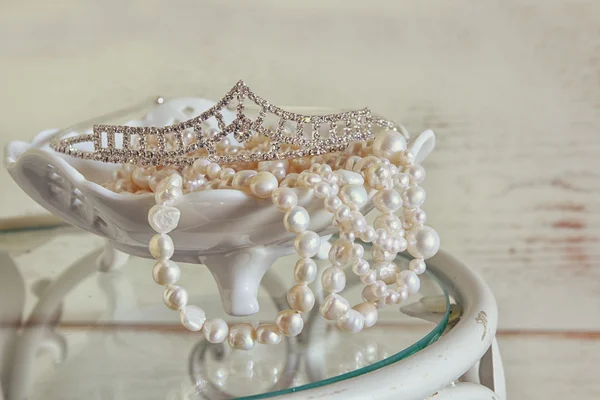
390,172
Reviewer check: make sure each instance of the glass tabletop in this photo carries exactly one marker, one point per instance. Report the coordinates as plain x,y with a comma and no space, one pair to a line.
72,332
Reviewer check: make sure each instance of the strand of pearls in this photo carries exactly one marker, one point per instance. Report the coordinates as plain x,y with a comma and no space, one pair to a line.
388,174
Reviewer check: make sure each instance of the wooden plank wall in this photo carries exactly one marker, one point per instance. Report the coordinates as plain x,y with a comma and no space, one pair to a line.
512,89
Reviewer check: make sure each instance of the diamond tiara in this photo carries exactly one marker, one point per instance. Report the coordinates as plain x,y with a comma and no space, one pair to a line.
294,136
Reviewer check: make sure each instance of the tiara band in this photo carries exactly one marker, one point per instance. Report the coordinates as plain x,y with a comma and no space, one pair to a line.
295,136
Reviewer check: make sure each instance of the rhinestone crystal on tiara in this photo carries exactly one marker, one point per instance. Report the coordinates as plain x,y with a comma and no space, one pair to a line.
294,136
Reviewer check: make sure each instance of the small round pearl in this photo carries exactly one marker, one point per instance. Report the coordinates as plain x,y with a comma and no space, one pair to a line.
389,222
166,272
192,317
343,212
387,200
369,312
409,280
401,180
161,246
353,321
332,203
358,251
378,176
333,307
268,334
355,195
301,298
263,184
361,267
379,288
413,196
241,179
367,235
416,173
333,280
322,190
215,330
419,217
423,242
382,237
305,270
390,145
289,322
369,278
284,198
407,157
391,297
340,253
242,336
417,266
175,297
307,244
402,294
213,170
163,219
381,255
386,271
279,173
330,177
296,219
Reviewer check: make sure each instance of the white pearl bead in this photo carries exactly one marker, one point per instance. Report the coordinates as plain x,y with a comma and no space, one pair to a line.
387,200
241,179
382,237
368,295
369,278
379,288
213,170
268,334
423,242
175,297
172,180
296,220
390,145
358,222
381,255
163,219
215,330
284,198
263,184
386,271
402,294
409,280
334,189
419,217
400,245
307,244
358,251
166,272
417,266
369,312
361,267
168,195
401,180
389,222
242,336
192,317
324,169
141,178
333,307
301,298
289,322
391,297
416,173
332,203
305,270
365,163
322,190
349,178
342,213
407,157
161,246
379,176
200,165
368,234
340,253
333,280
413,196
353,321
279,173
355,195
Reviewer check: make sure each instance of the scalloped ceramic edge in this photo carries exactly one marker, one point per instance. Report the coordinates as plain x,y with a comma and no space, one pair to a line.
237,236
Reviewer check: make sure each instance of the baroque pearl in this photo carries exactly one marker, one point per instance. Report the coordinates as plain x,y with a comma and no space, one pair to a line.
340,253
368,295
192,317
296,220
389,222
242,336
307,244
379,288
284,198
379,176
289,322
387,200
215,330
353,321
409,280
268,334
168,195
263,184
333,279
354,195
161,246
333,307
305,270
413,196
386,271
166,272
163,219
301,298
175,297
361,267
423,242
390,145
369,312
